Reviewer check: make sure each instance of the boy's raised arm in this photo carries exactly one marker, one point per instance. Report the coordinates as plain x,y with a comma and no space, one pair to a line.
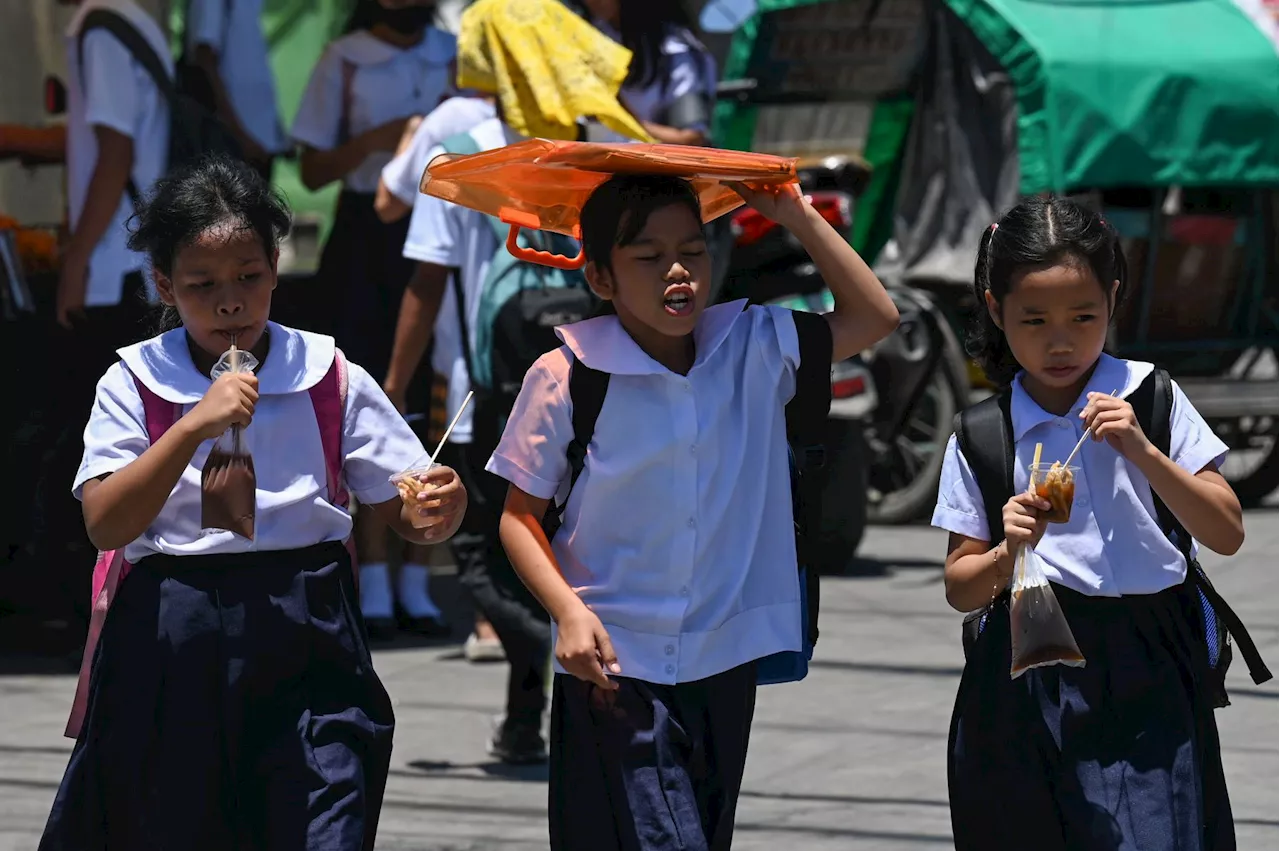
864,314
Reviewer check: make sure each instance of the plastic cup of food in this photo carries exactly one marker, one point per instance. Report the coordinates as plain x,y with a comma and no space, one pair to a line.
410,483
1057,485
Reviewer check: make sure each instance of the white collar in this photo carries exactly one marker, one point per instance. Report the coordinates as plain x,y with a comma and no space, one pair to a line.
602,343
362,48
296,361
1110,374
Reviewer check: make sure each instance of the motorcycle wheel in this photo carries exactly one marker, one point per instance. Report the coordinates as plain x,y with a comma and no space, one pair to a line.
903,481
844,497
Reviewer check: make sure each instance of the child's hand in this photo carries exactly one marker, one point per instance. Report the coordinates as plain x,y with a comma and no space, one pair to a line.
583,648
1025,520
1112,419
437,504
230,401
785,205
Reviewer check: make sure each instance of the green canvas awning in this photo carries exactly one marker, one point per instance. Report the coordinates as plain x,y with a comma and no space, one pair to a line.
1135,92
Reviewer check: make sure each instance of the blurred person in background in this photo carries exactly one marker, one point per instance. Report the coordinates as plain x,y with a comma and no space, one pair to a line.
671,83
225,66
390,66
115,146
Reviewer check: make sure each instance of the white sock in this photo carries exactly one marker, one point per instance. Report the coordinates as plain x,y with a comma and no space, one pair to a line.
414,593
375,591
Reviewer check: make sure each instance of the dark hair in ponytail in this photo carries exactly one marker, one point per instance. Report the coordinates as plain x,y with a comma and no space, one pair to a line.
184,204
1038,233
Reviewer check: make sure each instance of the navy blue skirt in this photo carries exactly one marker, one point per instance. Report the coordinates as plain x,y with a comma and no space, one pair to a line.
233,705
649,767
1120,754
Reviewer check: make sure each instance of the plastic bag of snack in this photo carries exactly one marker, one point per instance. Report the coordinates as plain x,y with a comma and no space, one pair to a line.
228,483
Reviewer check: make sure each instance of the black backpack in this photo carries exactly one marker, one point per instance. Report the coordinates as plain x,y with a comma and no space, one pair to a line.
194,130
806,416
984,433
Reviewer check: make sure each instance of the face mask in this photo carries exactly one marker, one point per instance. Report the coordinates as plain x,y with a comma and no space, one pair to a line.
407,19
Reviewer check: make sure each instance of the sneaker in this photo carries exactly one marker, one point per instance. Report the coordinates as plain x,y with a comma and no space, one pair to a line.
517,746
477,649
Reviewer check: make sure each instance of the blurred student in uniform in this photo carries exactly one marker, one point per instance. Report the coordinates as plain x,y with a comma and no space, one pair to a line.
671,83
115,142
397,189
225,66
391,65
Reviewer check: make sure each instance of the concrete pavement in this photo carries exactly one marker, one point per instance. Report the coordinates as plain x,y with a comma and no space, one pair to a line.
851,759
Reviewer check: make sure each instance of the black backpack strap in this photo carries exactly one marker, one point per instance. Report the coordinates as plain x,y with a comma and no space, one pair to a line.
809,408
984,435
1152,404
806,416
141,51
464,332
587,389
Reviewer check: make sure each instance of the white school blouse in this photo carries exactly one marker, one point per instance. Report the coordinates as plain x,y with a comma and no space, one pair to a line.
293,508
386,83
1112,545
112,90
690,68
678,534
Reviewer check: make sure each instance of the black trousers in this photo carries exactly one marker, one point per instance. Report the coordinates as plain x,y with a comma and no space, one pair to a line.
518,618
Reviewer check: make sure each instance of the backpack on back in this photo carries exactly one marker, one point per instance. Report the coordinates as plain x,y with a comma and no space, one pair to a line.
806,416
984,434
521,304
329,402
194,130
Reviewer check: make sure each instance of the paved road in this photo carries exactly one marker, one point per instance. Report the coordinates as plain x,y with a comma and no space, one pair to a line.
852,759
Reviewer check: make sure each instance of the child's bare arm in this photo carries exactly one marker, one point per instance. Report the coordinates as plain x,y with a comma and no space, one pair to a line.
975,572
119,507
582,647
1204,503
863,314
530,552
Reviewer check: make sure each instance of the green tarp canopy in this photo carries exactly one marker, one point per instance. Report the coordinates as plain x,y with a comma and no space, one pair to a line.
1135,92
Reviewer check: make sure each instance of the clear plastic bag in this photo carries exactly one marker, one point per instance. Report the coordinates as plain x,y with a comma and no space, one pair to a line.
228,482
1039,631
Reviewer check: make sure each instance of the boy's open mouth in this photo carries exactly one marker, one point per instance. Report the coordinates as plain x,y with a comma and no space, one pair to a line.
678,300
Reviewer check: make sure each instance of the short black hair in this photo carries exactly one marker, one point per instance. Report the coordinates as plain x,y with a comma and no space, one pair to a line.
187,202
619,209
1037,233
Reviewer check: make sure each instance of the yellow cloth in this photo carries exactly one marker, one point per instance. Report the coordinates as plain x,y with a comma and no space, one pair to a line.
547,66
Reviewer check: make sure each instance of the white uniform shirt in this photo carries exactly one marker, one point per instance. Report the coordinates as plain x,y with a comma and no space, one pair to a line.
678,534
458,114
386,83
1112,545
293,508
114,91
446,234
690,68
233,29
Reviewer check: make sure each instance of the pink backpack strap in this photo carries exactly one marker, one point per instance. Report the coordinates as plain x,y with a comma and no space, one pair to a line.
329,399
111,568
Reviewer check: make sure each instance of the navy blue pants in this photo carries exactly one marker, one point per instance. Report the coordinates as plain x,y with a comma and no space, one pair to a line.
648,767
232,705
1120,755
